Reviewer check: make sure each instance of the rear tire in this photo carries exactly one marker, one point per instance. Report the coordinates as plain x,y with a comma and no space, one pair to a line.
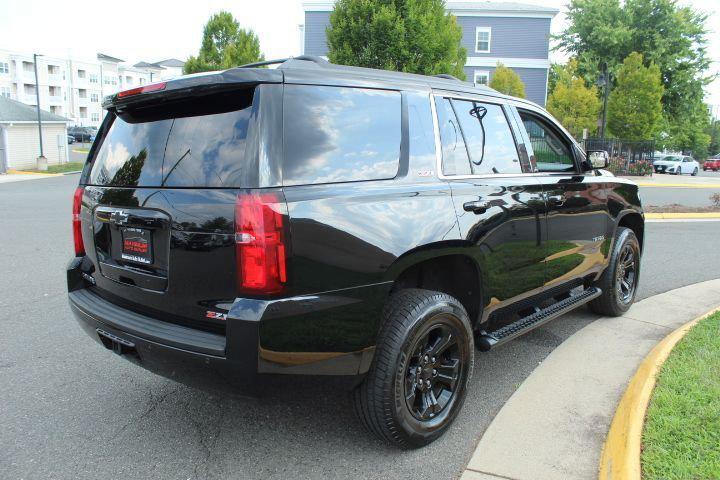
619,281
418,378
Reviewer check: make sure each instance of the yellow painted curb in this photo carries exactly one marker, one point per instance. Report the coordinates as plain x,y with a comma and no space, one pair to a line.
81,151
679,185
620,459
20,172
667,216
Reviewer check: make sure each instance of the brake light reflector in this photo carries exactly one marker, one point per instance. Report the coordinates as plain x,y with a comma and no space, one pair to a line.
260,243
76,227
152,87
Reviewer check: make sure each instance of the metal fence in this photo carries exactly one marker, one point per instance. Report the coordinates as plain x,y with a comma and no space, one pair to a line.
626,157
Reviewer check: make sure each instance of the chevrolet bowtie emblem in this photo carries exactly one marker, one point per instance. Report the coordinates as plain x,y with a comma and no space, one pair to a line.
119,217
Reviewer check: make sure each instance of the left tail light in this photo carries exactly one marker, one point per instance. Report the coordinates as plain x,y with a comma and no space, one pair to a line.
76,226
260,243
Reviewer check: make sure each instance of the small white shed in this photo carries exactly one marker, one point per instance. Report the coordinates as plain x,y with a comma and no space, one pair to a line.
19,142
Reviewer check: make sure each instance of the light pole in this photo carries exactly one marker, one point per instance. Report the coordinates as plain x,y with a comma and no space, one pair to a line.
604,82
42,161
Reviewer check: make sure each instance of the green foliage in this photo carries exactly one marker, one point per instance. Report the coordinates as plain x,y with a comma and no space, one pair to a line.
415,36
681,438
506,81
571,101
669,35
714,132
635,104
224,45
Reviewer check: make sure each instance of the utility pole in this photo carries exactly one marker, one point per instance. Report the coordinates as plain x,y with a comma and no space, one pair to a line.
41,160
604,81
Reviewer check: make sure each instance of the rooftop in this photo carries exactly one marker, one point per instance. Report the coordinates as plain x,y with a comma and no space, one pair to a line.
12,111
477,7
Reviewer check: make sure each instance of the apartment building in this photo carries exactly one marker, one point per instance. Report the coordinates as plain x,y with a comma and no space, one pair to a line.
514,34
75,88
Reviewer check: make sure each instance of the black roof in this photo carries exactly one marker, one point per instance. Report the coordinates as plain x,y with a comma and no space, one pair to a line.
311,70
102,56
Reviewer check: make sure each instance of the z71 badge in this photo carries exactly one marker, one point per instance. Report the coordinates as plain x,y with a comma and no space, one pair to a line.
216,315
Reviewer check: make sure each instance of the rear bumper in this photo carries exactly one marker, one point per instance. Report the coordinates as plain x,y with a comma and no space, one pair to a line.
331,333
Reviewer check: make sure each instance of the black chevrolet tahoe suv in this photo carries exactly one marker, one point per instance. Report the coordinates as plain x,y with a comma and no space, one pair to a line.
316,219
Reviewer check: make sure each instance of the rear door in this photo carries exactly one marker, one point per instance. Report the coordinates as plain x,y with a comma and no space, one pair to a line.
161,190
579,229
500,208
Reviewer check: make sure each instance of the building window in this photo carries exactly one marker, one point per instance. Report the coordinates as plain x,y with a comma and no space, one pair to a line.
54,91
129,80
5,92
56,109
83,112
53,70
93,78
81,73
94,97
142,81
28,66
29,89
4,67
482,39
82,93
95,117
481,77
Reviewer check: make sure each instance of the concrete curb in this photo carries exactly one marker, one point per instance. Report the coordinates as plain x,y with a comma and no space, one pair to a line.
678,185
678,215
620,458
20,172
555,424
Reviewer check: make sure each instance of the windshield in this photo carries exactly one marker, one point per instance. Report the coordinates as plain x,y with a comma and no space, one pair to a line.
195,143
672,158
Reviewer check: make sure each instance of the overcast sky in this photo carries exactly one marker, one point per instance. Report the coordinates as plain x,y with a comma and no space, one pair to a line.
153,30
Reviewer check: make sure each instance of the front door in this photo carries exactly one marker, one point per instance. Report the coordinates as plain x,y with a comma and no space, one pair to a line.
578,222
500,210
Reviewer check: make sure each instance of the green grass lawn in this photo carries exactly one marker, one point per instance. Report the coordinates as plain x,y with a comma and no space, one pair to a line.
62,168
682,430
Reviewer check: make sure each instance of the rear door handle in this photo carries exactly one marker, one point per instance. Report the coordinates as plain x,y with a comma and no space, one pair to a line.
477,207
556,200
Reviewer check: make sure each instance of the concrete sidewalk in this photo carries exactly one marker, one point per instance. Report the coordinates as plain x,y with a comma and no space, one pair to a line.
554,425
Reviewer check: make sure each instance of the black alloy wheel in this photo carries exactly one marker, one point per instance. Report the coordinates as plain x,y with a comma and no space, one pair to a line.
423,362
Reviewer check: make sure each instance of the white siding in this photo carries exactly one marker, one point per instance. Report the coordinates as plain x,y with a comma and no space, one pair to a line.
22,147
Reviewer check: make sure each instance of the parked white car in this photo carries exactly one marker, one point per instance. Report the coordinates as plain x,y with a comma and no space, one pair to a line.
677,165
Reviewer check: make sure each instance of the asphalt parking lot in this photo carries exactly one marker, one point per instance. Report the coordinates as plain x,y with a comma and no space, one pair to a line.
72,410
691,197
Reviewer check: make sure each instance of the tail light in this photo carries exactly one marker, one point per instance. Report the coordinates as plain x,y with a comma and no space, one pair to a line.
260,243
76,227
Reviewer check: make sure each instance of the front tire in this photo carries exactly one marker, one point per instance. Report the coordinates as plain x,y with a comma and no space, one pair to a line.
695,172
423,361
620,279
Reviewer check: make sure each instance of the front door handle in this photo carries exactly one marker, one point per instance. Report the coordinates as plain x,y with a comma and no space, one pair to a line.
477,207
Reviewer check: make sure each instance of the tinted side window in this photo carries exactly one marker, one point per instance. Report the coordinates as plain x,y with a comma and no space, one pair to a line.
552,153
455,159
488,137
335,134
421,133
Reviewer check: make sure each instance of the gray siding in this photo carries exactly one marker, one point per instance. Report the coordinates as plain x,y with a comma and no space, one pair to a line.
535,80
511,37
315,25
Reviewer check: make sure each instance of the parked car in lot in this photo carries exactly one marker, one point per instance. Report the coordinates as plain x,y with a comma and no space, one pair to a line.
70,139
82,134
677,165
370,226
712,164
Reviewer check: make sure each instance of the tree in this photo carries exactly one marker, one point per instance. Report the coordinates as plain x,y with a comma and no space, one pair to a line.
506,81
416,36
572,102
635,104
669,35
224,45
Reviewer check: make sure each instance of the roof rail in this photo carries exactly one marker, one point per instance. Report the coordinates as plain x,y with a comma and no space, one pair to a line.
309,58
447,76
263,63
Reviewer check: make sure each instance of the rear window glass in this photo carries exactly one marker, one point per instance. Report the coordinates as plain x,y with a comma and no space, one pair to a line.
195,143
337,134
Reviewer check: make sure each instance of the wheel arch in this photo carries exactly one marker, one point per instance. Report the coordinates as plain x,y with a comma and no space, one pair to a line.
454,273
635,222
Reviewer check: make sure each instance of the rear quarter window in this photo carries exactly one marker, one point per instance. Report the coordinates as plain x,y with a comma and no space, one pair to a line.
338,134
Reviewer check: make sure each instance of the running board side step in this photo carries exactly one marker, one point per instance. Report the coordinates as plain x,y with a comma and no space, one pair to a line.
484,341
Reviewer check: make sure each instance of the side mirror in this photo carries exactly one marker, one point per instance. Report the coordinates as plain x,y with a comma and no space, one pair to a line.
598,159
